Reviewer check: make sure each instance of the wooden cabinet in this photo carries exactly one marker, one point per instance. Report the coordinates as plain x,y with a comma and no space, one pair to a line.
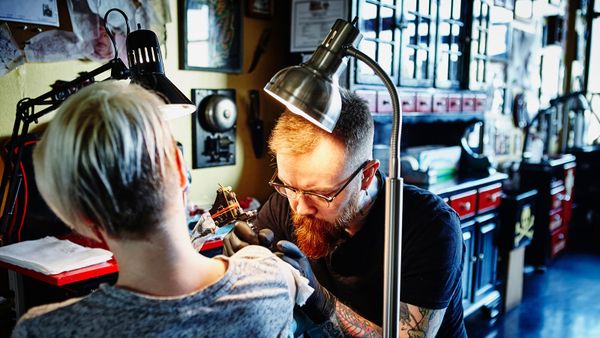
424,47
554,181
487,255
477,203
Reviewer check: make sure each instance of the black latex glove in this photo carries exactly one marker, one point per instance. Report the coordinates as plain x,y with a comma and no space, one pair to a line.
320,306
242,236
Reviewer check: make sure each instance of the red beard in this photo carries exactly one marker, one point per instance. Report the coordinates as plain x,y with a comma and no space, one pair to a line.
318,238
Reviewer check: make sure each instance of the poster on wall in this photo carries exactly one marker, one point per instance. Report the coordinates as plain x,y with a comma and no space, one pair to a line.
312,20
10,54
41,12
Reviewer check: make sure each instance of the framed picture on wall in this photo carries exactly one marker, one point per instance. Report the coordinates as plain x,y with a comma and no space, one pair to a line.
210,34
262,9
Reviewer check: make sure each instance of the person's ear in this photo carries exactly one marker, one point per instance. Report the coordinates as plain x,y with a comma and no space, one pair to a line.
181,168
369,174
90,230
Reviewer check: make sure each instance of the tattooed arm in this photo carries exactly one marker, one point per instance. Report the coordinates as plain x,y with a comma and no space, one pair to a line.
414,322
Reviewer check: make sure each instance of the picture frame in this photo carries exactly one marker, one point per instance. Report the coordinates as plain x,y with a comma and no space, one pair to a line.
210,35
260,9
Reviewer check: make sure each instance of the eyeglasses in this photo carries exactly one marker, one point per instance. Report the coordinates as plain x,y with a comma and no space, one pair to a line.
321,199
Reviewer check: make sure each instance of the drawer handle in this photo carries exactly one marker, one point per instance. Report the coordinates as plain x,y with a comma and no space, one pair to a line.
561,236
481,256
494,197
466,206
473,259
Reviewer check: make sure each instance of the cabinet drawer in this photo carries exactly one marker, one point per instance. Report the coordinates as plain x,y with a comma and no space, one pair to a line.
489,197
558,241
440,103
423,103
454,102
408,101
558,195
384,102
464,204
468,103
555,219
480,102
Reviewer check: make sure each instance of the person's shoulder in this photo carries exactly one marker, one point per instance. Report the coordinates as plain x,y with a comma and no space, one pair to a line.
424,207
253,252
46,317
423,199
276,202
254,258
275,215
48,308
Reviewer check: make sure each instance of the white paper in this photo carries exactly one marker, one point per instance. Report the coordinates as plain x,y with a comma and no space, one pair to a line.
42,12
312,20
50,255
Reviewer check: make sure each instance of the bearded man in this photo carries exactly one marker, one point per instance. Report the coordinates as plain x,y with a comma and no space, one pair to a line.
327,218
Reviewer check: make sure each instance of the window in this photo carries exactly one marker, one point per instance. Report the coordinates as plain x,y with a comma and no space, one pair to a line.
479,45
417,40
377,24
450,32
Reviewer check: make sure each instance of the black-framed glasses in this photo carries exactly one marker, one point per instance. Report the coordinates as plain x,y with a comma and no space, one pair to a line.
323,199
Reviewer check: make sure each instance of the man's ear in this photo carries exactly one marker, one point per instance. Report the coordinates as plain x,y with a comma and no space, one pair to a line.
369,174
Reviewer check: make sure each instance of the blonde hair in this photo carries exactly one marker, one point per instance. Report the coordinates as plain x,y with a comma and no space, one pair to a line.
295,135
103,159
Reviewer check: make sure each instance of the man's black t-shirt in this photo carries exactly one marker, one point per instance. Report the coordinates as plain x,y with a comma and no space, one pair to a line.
432,250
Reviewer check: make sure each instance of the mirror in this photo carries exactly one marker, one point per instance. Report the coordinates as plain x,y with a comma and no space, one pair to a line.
210,35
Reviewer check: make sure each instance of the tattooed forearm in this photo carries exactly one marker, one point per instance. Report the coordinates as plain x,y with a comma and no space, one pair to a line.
353,324
419,322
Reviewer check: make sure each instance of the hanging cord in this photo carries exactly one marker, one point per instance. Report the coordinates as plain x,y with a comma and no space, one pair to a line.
112,37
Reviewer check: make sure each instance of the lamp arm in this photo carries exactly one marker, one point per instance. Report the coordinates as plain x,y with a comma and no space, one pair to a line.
25,115
393,208
396,118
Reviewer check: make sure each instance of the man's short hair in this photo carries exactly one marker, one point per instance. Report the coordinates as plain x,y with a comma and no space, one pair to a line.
103,160
295,135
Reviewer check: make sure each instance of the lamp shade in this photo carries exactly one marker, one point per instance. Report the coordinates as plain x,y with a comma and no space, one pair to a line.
311,89
147,69
308,93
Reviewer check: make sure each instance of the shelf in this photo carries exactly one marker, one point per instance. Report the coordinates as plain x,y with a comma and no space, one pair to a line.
412,118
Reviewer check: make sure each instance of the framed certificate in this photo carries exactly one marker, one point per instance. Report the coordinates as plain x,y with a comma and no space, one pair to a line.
312,20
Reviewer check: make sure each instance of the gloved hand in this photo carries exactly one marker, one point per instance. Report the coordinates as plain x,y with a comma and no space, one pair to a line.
320,306
242,236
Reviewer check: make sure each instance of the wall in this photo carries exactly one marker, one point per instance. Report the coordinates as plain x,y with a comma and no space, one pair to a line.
249,176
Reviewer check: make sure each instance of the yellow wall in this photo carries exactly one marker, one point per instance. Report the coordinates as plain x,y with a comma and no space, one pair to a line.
249,176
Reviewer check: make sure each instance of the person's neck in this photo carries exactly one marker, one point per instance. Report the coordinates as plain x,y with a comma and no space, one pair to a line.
165,264
367,200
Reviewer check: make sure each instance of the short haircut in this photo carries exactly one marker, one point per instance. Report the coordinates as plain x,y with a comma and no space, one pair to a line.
295,135
103,160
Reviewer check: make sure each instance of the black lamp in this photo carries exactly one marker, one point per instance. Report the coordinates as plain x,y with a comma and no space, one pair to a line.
311,91
146,69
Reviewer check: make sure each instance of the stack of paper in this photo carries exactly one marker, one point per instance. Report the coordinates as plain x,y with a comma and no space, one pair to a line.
50,255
